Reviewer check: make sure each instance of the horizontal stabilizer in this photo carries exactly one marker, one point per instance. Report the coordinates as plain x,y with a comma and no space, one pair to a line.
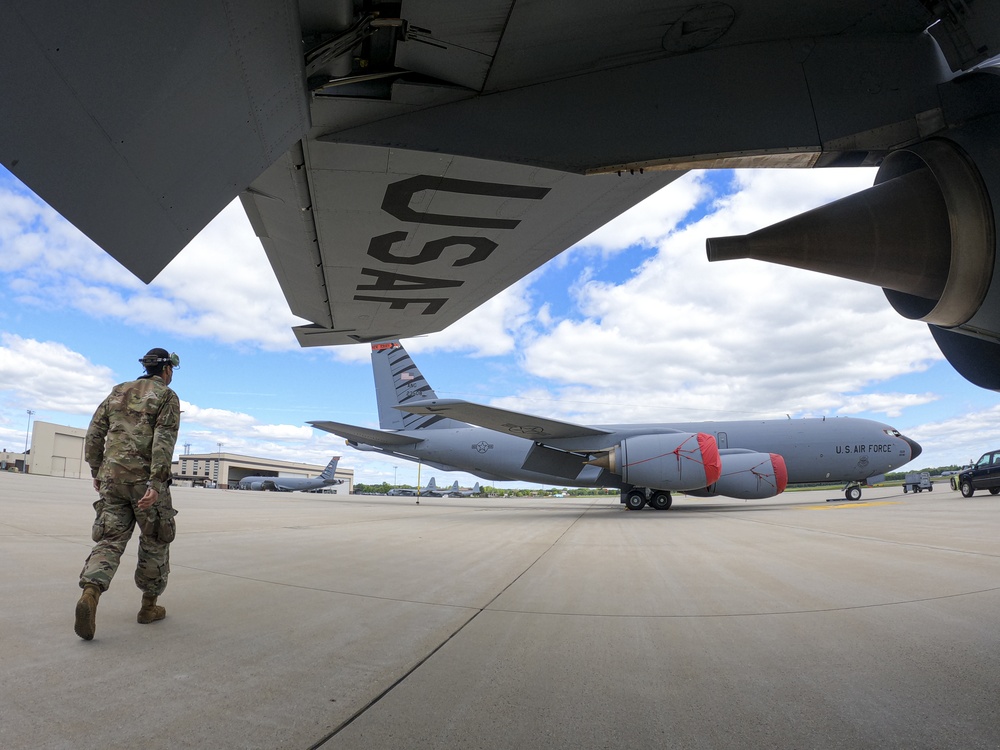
501,420
366,435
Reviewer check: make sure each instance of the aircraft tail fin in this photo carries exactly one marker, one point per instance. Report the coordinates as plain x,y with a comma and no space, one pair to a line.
431,485
398,381
331,469
476,489
454,487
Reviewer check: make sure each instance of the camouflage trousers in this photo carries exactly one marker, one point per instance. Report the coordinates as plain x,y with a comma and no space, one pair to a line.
117,517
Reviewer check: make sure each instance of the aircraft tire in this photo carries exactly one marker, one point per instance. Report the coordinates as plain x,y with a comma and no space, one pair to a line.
967,488
661,501
635,500
853,493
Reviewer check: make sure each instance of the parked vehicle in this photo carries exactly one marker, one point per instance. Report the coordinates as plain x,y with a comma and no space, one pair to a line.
917,481
983,475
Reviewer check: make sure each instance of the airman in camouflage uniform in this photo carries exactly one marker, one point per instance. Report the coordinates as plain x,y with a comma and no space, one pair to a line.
130,446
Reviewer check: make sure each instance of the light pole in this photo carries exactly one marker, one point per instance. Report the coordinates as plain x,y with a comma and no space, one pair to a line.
30,412
394,476
218,468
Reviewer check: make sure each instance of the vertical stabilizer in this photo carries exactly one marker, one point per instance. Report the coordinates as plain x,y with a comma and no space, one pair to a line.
330,471
398,381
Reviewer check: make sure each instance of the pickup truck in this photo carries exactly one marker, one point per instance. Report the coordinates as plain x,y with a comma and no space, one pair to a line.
982,475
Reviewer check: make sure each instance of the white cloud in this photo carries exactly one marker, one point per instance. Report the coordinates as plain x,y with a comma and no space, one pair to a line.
491,330
732,337
47,376
222,419
226,288
964,438
649,221
219,287
890,404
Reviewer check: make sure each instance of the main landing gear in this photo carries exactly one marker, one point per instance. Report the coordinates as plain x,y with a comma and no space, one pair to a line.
636,499
853,492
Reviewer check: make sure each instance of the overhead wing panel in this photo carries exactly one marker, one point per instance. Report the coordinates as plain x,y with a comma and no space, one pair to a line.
453,41
565,38
501,420
139,122
279,209
411,241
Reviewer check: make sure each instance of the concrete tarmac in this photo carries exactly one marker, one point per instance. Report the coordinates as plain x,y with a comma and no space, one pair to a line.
318,621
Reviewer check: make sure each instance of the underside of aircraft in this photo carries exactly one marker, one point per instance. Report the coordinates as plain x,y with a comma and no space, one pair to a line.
403,162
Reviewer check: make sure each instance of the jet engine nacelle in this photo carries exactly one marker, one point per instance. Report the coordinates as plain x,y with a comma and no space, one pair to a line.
925,232
748,476
671,461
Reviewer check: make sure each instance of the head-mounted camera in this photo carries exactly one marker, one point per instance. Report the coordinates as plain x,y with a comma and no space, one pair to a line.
160,357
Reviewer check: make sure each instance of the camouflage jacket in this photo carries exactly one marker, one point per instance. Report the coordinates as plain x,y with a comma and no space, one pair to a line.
132,434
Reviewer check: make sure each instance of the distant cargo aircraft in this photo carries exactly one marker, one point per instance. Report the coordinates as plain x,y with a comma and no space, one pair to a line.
429,490
454,491
744,459
294,484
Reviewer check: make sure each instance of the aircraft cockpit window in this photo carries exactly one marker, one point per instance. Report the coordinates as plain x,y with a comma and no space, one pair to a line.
890,431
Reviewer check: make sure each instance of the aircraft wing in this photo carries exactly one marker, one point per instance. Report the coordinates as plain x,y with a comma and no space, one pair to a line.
501,420
403,162
367,241
140,161
399,243
366,435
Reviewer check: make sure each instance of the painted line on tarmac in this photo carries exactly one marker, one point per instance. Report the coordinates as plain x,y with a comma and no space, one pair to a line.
849,504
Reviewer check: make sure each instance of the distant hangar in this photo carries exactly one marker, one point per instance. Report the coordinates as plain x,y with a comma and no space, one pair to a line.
57,450
201,469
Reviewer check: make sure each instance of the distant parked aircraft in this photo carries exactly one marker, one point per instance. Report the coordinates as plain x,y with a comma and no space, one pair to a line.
453,491
456,491
294,484
430,490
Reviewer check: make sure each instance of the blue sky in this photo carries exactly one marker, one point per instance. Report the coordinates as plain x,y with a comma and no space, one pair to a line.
632,324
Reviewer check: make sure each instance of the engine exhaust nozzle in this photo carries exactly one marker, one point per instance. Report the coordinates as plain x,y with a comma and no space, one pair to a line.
924,233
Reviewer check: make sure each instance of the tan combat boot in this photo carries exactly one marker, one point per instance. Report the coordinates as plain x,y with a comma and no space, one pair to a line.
86,612
150,612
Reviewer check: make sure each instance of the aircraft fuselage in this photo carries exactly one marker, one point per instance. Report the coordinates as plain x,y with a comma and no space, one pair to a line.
815,450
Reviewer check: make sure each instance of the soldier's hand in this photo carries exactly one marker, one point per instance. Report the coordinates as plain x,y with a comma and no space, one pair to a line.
147,500
97,485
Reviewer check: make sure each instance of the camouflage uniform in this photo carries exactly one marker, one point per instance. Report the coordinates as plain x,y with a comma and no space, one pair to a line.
130,442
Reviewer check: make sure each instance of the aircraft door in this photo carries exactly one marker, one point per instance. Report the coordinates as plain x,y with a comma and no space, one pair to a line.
722,440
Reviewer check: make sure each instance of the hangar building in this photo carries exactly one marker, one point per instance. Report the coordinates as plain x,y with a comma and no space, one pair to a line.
57,450
207,468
